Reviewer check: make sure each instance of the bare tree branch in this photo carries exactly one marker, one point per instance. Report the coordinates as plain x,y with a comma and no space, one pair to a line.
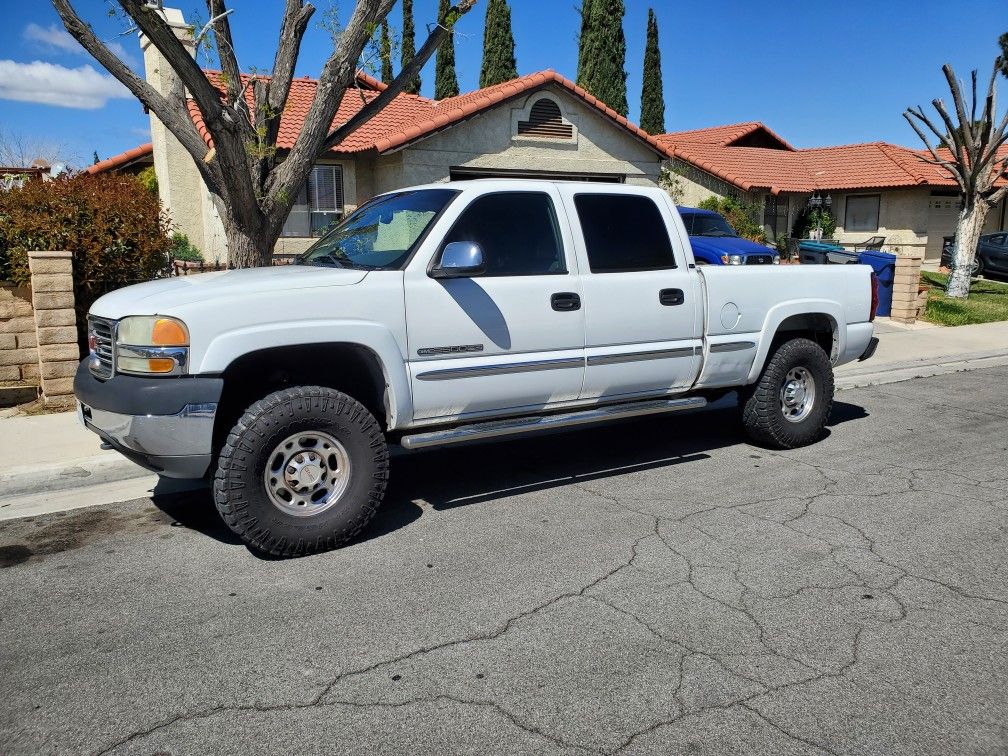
396,86
965,124
912,116
176,121
227,56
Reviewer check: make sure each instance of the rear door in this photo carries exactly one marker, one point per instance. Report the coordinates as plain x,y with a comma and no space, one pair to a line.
509,340
642,302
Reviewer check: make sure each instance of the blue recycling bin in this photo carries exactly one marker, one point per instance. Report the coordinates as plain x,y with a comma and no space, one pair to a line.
812,252
884,265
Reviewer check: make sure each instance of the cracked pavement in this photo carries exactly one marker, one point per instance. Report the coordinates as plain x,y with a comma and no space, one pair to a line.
654,587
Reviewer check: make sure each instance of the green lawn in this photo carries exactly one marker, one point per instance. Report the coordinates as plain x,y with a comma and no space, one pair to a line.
987,302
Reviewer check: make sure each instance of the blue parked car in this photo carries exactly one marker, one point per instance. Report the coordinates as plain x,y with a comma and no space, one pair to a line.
715,242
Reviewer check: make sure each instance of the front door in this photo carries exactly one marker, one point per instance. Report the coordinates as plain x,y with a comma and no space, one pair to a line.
509,340
642,303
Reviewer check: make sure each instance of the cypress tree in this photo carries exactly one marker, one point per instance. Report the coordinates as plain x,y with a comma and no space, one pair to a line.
602,53
585,52
498,45
408,46
385,50
652,108
445,81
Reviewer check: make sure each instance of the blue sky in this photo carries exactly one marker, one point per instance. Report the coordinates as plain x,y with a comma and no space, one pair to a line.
818,73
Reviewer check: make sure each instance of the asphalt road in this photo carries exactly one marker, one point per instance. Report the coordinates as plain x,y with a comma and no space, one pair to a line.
656,587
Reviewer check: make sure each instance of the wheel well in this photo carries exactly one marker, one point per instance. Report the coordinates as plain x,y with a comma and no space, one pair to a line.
353,369
817,327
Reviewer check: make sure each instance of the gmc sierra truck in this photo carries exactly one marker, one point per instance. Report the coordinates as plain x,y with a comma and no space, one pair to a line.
446,313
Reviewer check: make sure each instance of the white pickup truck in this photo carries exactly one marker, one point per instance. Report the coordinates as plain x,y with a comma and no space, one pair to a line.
445,313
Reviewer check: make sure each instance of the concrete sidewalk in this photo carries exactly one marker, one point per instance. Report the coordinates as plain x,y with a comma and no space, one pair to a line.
924,349
50,462
47,460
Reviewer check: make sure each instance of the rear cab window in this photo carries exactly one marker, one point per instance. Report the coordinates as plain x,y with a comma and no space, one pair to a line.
623,233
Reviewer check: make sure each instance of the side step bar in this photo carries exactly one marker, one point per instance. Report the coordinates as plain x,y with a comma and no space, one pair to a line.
528,424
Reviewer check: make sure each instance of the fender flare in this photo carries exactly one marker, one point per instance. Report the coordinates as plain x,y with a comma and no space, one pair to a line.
781,312
226,347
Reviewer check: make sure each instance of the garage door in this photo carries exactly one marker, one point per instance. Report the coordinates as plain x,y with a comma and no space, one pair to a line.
464,174
943,212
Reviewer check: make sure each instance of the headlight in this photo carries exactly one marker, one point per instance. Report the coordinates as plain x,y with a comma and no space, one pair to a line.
731,259
776,259
152,344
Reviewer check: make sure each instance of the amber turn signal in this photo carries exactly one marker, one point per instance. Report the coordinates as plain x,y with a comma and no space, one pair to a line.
168,332
161,365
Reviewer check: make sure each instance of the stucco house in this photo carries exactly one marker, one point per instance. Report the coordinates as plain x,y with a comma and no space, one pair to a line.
537,125
875,189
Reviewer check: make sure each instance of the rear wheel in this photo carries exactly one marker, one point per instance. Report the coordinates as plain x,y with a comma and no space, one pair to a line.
789,405
304,470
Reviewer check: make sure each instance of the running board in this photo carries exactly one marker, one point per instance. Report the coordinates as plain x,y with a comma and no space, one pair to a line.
514,425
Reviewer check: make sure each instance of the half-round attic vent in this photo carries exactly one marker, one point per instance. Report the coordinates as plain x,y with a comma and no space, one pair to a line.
545,122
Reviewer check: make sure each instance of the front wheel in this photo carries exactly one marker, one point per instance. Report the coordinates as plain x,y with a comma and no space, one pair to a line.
789,405
304,470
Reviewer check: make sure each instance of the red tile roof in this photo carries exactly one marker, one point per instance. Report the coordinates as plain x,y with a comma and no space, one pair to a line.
722,135
875,165
122,159
411,117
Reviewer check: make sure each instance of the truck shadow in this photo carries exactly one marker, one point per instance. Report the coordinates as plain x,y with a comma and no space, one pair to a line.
468,474
463,475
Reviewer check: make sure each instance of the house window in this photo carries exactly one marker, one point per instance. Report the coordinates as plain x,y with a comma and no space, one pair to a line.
319,204
545,122
862,213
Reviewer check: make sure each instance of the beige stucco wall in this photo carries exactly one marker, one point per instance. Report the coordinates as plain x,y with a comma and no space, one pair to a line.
489,141
903,219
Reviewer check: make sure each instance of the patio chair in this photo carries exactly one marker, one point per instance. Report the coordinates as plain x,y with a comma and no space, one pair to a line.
875,243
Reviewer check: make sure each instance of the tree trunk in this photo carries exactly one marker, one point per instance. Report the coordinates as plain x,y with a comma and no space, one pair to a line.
248,249
971,220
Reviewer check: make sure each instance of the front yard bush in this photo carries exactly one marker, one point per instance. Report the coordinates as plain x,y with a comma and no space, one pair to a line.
741,215
112,224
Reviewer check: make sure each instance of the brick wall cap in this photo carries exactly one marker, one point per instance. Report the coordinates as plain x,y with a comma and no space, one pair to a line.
58,254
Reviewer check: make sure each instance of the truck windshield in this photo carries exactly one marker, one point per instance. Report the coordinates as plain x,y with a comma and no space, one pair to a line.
701,224
380,234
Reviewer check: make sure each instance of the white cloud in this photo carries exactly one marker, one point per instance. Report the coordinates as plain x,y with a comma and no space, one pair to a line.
52,84
54,38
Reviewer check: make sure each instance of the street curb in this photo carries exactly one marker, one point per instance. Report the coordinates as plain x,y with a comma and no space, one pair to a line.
61,476
111,468
897,372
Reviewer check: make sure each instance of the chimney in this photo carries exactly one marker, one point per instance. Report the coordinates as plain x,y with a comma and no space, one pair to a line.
179,184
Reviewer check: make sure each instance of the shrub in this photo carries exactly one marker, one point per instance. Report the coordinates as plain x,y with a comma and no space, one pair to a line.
743,216
812,217
183,249
113,226
149,179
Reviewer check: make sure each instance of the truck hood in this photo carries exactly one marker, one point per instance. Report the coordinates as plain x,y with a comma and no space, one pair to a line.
163,295
728,245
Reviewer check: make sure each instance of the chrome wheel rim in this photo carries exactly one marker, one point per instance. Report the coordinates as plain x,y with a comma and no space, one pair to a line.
797,395
307,473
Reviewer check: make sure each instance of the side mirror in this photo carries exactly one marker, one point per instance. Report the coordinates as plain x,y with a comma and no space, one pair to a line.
460,260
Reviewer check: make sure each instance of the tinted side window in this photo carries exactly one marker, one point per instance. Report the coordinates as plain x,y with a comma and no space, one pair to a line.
623,232
517,232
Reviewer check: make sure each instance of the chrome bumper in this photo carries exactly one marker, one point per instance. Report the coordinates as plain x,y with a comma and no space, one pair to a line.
176,446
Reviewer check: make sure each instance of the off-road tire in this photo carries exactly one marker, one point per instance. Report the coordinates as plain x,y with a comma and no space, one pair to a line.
239,490
760,403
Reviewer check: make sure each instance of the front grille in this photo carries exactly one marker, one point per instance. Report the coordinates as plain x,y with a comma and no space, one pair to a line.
104,340
759,260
